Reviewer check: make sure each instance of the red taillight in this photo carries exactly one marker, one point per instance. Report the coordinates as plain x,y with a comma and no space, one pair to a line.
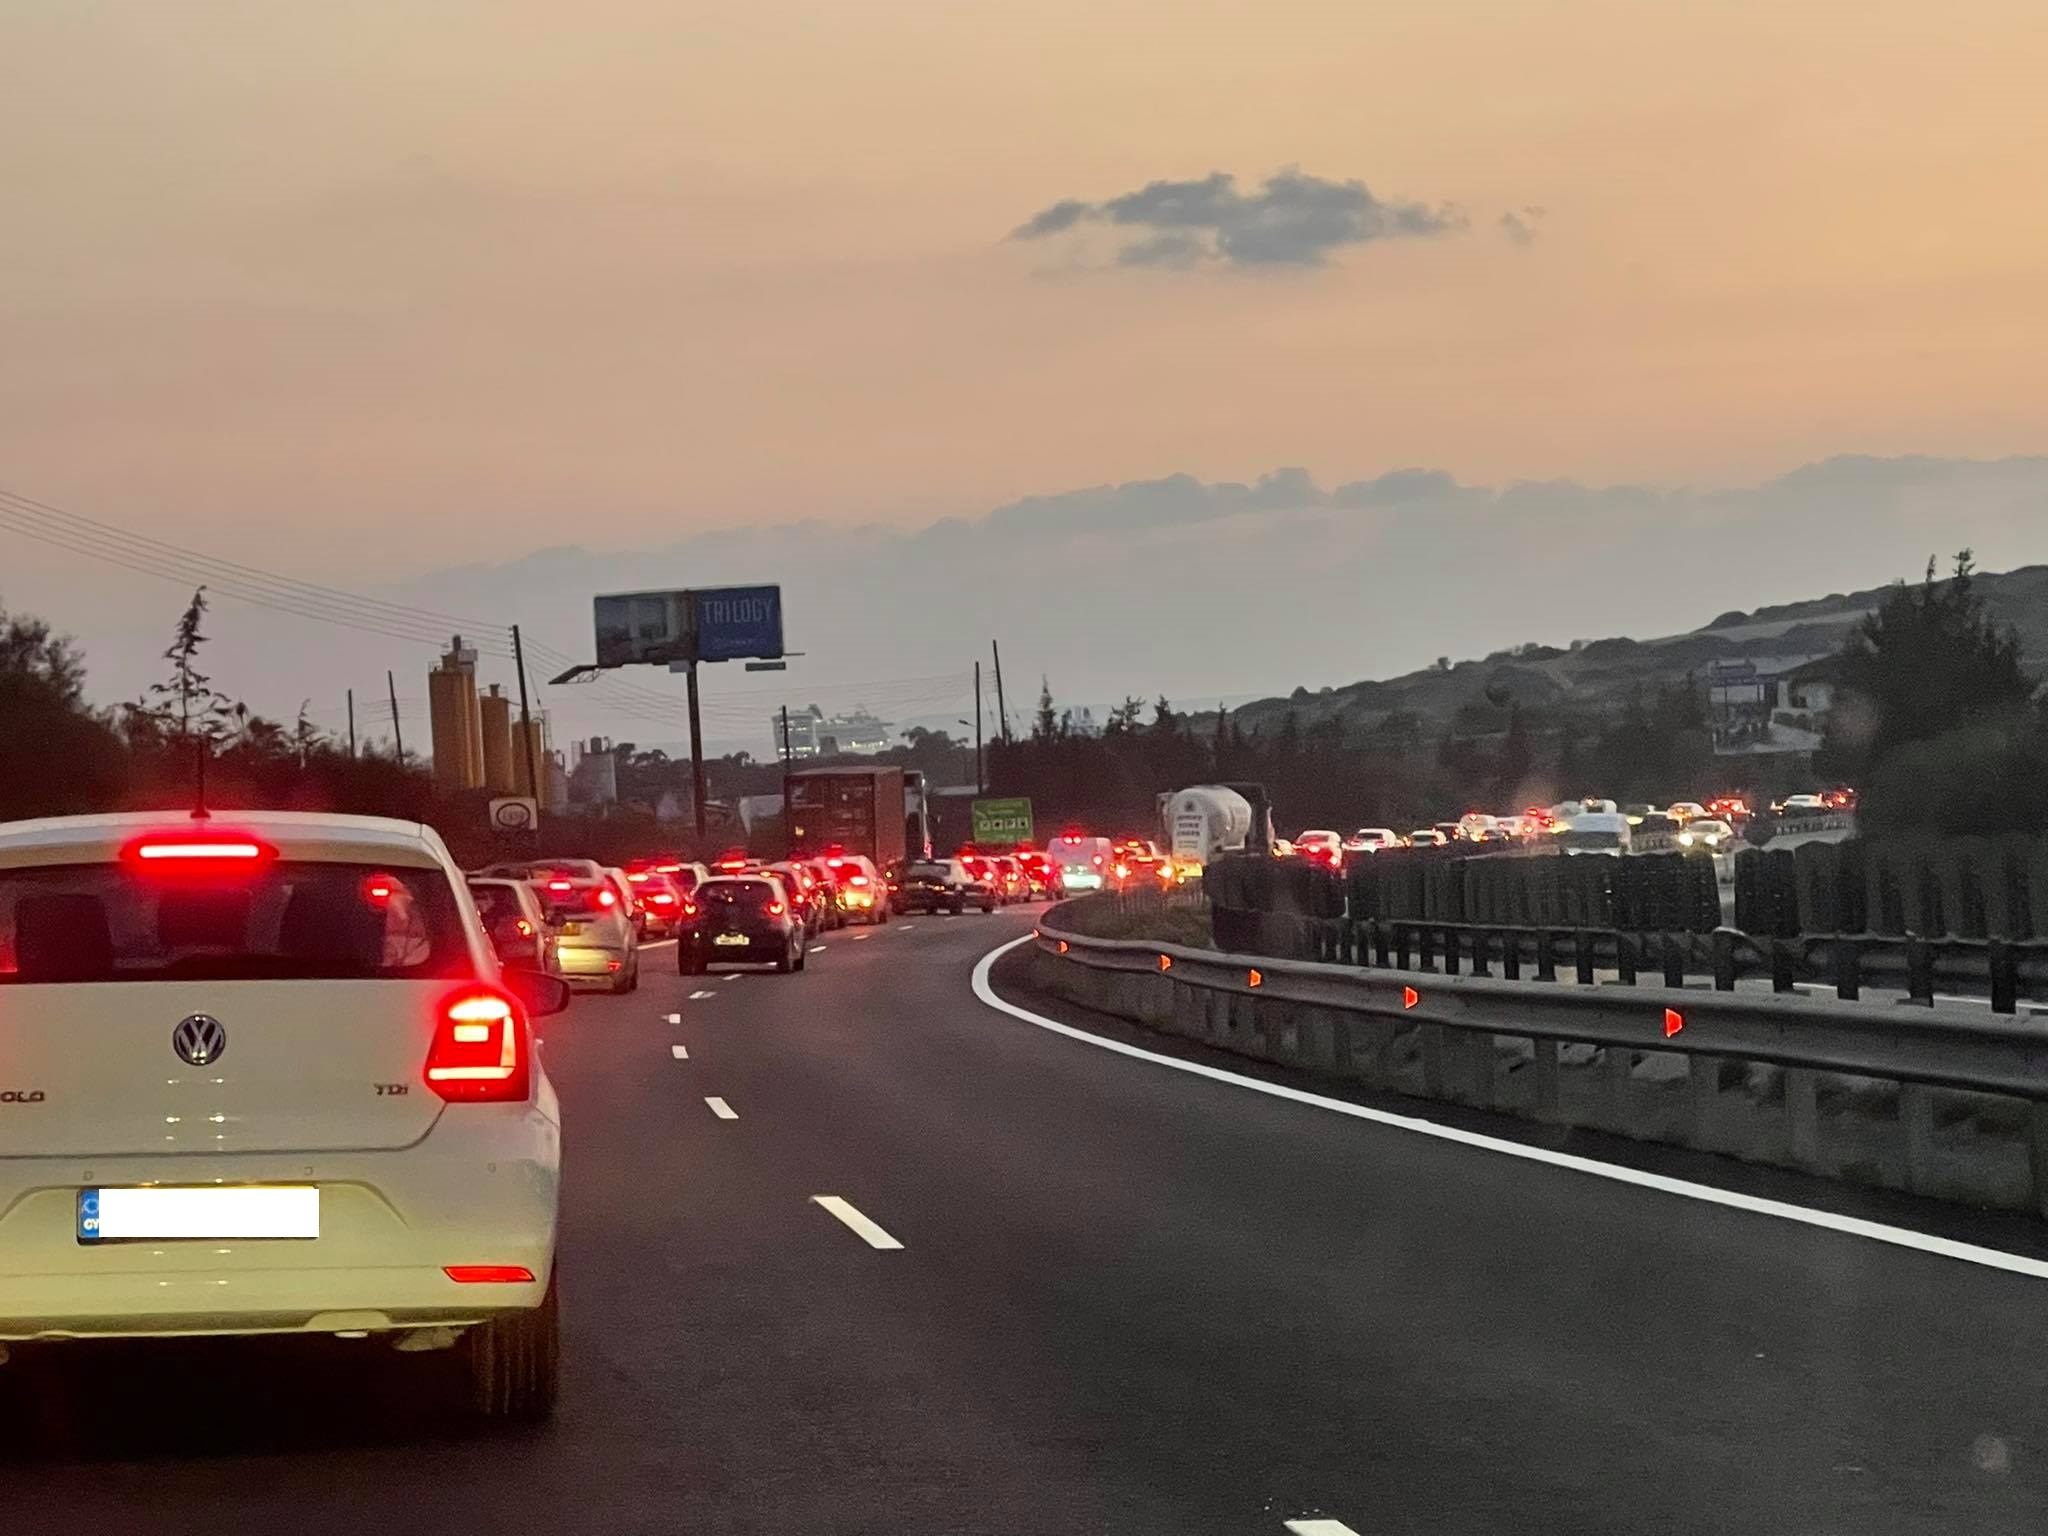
488,1274
1098,861
775,909
522,927
480,1049
607,898
661,899
637,878
211,851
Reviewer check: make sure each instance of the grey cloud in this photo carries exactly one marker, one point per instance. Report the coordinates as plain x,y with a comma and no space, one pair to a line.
1520,224
1293,220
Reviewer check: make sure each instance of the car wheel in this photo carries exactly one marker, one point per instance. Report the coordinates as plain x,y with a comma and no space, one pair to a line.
688,961
803,956
786,961
955,907
515,1362
988,906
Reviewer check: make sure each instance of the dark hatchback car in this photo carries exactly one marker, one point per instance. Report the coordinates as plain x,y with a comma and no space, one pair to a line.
940,885
742,920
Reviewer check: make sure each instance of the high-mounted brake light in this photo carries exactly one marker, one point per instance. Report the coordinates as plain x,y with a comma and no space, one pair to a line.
561,885
378,889
186,850
858,880
661,899
480,1051
638,876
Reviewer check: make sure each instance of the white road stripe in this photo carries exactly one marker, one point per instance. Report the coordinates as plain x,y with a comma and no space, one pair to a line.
723,1110
1320,1528
869,1233
1854,1226
862,938
673,1018
819,949
695,997
680,1052
906,927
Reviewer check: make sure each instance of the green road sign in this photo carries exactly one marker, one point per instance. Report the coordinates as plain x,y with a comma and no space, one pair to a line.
1002,821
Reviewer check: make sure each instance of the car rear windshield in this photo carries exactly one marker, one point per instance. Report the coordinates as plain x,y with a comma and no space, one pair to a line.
927,872
288,921
496,901
737,893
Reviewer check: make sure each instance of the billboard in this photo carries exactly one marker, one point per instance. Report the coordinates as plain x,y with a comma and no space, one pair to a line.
997,822
642,628
701,624
737,622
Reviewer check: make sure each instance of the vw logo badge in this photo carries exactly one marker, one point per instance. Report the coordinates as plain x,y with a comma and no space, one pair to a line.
199,1040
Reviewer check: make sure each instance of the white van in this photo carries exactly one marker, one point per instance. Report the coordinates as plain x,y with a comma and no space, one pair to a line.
1594,832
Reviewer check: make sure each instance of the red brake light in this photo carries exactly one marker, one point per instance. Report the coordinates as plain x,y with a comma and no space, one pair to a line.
561,885
858,880
637,878
480,1051
522,927
377,890
775,909
487,1274
662,899
189,850
689,909
607,898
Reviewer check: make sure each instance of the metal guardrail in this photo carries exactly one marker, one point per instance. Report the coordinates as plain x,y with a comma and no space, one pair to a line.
1918,1049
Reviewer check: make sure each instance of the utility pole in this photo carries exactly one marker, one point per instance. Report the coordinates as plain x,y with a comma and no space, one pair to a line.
397,731
1002,709
351,725
696,753
785,738
980,775
525,717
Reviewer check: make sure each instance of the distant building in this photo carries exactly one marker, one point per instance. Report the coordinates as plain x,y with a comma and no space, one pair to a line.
594,776
812,733
1747,708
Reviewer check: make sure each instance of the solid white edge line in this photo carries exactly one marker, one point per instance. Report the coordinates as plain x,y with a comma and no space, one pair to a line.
679,1052
723,1110
1854,1226
1320,1528
867,1231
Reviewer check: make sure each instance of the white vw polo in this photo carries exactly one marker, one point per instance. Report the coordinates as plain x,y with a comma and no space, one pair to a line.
260,1073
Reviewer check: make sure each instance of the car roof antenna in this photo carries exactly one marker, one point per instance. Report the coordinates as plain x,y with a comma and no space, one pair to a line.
199,810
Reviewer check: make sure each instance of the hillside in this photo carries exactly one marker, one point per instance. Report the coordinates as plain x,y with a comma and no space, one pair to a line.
1597,676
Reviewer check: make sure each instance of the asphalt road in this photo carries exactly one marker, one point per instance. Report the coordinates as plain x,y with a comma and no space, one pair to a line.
1126,1300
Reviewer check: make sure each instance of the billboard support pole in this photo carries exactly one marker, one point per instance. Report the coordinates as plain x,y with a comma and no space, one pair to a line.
980,779
525,716
696,755
1002,709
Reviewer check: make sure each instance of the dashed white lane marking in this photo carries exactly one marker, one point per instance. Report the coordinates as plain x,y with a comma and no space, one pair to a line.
868,1232
906,927
677,1018
723,1110
680,1052
819,949
1854,1226
695,997
1320,1528
862,938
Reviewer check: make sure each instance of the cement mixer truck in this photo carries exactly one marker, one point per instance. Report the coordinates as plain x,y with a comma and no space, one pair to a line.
1200,822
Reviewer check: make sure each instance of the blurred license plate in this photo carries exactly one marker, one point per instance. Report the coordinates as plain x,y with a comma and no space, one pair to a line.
572,928
730,938
271,1210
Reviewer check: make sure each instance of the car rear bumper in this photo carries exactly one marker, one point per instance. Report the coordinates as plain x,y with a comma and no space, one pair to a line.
758,950
582,961
481,1190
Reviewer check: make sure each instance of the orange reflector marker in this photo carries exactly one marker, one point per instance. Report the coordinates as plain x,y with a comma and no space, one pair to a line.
1410,997
1063,946
1166,962
1254,979
1674,1021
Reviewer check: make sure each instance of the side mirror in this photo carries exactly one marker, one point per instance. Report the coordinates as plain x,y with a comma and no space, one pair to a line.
542,994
